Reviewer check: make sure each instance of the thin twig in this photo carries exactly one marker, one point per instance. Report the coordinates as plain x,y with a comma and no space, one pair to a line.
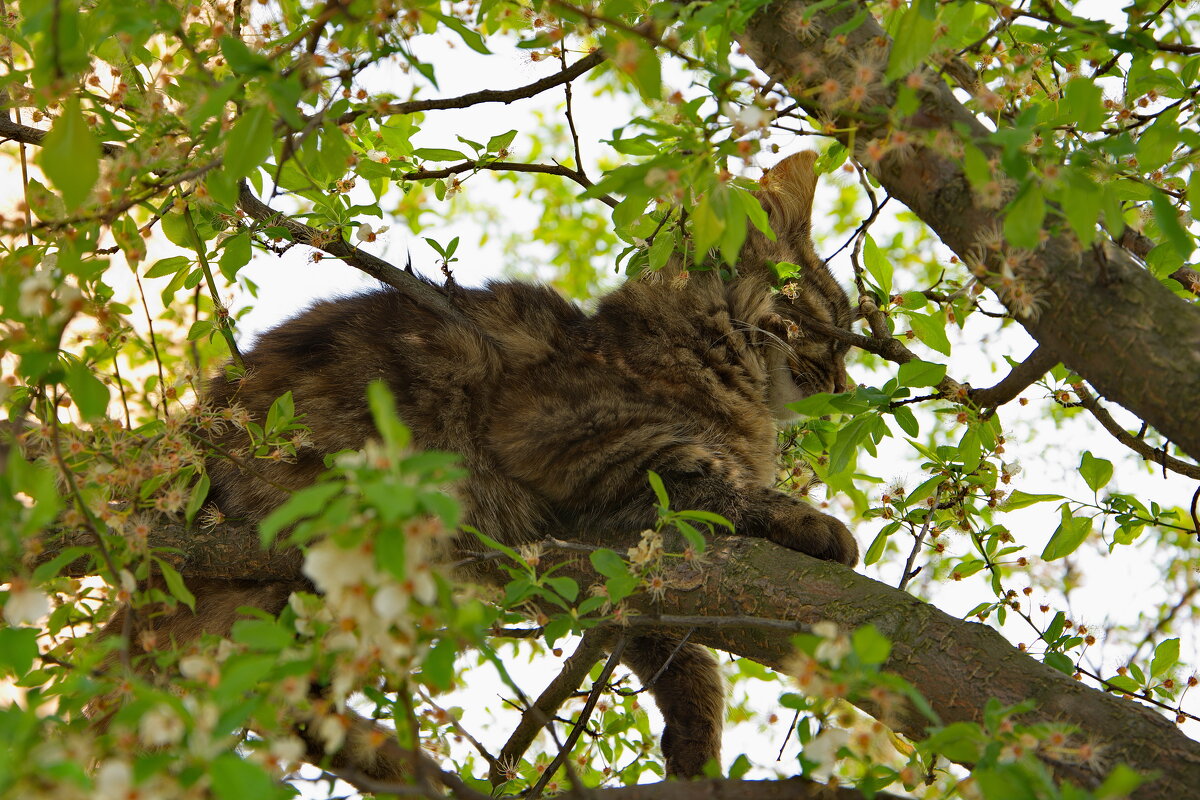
458,728
1159,456
505,96
576,175
909,572
540,713
597,689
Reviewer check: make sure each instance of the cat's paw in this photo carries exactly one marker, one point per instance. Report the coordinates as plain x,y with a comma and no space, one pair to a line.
819,535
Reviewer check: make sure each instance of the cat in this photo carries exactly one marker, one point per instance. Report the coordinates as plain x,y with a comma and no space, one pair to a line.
558,415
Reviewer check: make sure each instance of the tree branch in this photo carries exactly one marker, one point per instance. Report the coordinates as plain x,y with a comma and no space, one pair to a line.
537,716
598,687
576,175
1085,295
425,294
1035,365
959,666
505,96
1139,446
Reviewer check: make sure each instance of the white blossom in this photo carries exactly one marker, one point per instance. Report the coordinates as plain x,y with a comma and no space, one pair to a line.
835,646
287,749
114,780
332,732
26,604
378,156
36,293
367,233
390,602
160,726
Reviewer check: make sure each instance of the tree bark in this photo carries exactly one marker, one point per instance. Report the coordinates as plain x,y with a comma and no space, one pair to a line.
1101,312
959,666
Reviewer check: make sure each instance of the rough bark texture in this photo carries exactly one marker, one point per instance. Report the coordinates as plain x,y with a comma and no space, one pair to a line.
1107,317
957,665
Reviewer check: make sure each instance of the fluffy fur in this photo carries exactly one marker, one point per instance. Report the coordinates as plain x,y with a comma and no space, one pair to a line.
558,415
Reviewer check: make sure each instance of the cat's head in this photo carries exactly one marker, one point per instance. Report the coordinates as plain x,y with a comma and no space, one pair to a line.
810,362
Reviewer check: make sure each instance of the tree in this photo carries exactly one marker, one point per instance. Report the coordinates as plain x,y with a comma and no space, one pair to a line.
1047,162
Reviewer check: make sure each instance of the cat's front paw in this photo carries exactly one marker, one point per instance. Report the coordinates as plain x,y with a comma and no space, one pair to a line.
815,534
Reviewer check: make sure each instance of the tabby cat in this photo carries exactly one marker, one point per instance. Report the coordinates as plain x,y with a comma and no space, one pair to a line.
558,415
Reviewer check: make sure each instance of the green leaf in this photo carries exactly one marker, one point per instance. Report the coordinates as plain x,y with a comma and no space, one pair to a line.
1024,217
470,37
234,778
660,491
1168,222
1081,203
706,516
740,766
442,506
906,420
249,142
913,40
175,584
438,154
1083,103
88,391
1097,472
199,329
920,373
608,563
262,634
235,255
18,648
707,226
878,265
1157,143
1166,655
196,501
1122,780
567,588
70,156
1019,499
871,646
438,667
847,442
931,330
1060,663
1071,532
167,266
383,412
306,502
242,59
500,141
875,551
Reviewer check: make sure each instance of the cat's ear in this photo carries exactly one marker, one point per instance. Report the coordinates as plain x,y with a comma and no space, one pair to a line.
786,193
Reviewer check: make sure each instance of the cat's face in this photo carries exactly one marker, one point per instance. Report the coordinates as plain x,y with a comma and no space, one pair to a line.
801,361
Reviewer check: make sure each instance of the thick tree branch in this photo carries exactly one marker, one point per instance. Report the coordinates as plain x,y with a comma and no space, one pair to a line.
1105,315
959,666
